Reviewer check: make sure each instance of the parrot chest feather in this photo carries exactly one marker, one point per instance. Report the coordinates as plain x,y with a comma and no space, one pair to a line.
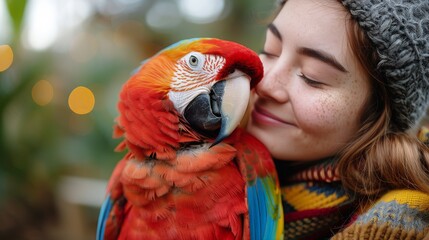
185,194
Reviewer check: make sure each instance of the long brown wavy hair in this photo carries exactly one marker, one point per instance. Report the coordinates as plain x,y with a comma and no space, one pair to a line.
379,158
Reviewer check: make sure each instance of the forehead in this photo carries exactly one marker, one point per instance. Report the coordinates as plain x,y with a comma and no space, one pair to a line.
320,11
320,24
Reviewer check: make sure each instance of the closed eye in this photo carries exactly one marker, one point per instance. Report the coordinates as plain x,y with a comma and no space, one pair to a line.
310,82
268,54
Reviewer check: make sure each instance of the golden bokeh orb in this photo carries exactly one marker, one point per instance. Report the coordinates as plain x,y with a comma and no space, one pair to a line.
42,92
81,100
6,57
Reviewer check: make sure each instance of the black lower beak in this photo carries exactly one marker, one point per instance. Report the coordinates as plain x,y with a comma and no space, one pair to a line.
204,112
216,114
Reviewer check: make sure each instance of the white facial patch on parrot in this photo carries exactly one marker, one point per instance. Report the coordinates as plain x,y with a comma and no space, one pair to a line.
182,99
194,75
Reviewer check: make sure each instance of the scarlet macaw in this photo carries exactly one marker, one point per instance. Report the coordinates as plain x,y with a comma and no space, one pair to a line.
187,173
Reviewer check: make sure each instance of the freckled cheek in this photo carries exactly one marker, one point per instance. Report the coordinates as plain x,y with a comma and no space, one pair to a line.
325,115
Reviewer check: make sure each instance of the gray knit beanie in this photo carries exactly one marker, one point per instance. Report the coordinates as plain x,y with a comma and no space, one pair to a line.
399,30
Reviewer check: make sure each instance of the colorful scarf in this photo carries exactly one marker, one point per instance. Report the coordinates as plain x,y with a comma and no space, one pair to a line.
316,206
314,201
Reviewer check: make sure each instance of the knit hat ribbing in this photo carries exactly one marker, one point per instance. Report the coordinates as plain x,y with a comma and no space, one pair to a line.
399,29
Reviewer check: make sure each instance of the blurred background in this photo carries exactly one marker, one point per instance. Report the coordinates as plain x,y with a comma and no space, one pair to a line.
62,64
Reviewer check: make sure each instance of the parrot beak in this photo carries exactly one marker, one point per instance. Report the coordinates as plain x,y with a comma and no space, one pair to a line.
234,103
220,112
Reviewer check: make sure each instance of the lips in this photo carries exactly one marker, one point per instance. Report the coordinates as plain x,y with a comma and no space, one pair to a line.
262,116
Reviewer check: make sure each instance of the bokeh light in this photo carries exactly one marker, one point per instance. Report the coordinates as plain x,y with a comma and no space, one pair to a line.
48,22
6,57
201,11
42,92
5,24
163,15
42,13
81,100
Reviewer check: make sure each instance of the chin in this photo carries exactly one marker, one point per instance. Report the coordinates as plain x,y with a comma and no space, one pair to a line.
267,138
280,147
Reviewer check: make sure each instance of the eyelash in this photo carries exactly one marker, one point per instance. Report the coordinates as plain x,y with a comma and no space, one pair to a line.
267,53
309,81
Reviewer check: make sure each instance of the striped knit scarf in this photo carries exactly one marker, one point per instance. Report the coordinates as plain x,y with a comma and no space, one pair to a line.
315,204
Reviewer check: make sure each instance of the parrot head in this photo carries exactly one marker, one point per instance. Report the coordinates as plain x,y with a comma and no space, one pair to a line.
203,84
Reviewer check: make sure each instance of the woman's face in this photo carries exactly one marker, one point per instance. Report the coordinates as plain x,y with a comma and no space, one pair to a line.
309,103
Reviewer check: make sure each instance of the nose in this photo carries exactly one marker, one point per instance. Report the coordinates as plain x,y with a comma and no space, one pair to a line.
273,85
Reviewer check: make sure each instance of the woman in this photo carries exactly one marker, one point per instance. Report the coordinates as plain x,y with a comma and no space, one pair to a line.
346,83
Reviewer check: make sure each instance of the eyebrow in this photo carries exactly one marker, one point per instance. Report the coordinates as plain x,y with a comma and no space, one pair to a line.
322,56
274,31
317,54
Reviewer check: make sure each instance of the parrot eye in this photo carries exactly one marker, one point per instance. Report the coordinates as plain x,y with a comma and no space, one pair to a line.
195,60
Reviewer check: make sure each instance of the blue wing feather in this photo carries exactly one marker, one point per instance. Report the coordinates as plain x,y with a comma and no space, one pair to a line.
265,214
253,203
102,218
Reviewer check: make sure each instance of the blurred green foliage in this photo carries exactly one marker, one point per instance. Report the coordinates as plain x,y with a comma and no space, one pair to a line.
40,144
16,9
